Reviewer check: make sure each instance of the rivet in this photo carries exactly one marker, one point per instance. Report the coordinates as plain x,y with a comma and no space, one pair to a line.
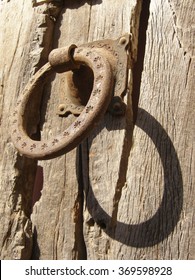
117,106
122,41
61,107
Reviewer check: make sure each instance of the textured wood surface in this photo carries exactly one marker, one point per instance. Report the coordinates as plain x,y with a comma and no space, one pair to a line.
23,50
123,193
65,237
17,174
156,209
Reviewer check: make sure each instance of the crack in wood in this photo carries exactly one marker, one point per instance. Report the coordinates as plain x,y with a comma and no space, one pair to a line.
138,66
79,251
123,166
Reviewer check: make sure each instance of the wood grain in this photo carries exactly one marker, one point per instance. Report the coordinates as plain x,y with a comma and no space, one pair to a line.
124,193
68,32
156,210
17,173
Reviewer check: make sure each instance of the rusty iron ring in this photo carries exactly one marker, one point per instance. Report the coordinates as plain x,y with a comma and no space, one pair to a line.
97,105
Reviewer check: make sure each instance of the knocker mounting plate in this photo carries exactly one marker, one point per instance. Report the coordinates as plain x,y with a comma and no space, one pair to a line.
77,94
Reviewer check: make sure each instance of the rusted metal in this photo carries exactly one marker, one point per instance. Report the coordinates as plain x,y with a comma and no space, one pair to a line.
107,61
116,51
97,105
61,59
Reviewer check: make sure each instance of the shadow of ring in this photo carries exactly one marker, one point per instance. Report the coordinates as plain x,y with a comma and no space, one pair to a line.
163,222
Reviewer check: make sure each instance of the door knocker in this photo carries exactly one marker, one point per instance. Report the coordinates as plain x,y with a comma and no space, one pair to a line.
108,60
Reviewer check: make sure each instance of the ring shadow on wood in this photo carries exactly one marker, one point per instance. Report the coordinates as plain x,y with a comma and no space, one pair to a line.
163,222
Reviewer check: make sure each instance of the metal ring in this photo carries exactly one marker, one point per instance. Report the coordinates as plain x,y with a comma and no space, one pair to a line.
79,129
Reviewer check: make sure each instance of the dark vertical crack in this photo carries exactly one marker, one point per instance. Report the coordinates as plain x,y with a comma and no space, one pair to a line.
38,185
127,144
138,66
187,72
79,250
132,105
89,23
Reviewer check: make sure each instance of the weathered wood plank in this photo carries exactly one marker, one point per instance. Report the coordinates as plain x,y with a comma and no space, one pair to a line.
17,173
156,210
67,218
23,50
104,168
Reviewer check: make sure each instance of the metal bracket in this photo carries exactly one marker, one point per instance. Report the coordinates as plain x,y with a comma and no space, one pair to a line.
77,95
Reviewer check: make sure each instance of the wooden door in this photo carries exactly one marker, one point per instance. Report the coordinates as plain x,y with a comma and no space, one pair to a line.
127,191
